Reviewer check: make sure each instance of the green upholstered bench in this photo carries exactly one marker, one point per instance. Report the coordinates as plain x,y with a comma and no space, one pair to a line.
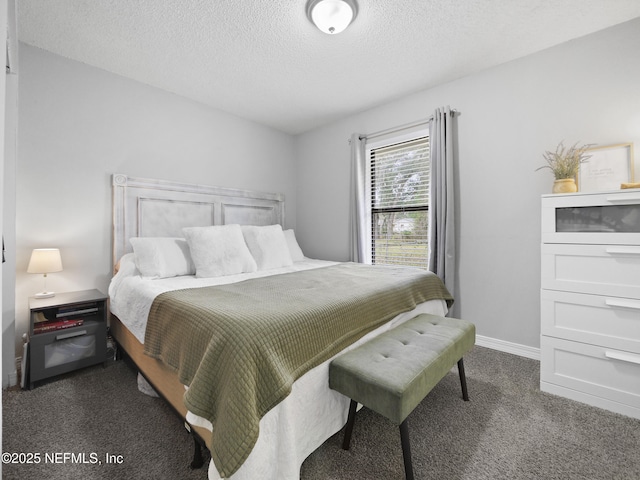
392,373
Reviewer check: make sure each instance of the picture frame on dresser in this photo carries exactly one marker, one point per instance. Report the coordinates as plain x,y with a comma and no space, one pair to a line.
607,168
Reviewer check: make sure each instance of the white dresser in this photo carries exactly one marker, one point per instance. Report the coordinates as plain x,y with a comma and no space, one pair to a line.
590,299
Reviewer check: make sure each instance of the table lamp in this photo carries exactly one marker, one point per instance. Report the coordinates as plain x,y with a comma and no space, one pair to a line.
45,260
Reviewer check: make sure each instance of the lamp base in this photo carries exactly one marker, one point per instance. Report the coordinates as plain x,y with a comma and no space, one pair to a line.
45,294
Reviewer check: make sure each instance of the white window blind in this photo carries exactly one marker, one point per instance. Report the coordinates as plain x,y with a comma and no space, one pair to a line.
399,176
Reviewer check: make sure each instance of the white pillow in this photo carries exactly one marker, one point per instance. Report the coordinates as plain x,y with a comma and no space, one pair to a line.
219,250
294,248
268,246
162,257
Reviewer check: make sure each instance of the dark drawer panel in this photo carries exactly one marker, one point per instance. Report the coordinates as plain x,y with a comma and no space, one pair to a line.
62,351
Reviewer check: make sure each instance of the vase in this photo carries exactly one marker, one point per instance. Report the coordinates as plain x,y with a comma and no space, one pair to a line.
565,185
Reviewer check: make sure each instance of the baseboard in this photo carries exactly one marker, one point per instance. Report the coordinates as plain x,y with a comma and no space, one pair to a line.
11,379
508,347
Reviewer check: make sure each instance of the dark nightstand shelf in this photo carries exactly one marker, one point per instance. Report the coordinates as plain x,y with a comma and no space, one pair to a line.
56,351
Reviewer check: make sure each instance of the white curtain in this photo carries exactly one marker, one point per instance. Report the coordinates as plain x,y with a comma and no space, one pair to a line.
357,220
442,245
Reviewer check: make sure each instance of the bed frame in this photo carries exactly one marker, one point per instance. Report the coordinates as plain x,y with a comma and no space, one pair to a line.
159,208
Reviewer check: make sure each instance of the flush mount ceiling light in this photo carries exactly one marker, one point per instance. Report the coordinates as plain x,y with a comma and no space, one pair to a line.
331,16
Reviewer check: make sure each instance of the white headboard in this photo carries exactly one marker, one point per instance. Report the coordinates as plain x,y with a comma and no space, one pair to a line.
145,207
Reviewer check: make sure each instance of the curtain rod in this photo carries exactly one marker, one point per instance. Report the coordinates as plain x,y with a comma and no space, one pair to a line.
406,126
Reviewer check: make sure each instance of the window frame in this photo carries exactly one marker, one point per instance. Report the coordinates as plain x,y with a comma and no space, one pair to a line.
383,141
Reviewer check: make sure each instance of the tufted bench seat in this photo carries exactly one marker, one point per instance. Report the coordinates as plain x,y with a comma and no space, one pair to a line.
392,373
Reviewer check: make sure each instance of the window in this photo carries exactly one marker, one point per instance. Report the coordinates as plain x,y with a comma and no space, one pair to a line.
398,196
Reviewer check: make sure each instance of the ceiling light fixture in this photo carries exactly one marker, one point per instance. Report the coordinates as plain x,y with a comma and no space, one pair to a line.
331,16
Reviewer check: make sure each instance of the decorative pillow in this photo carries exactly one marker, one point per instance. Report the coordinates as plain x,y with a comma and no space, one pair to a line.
268,246
219,250
162,257
294,248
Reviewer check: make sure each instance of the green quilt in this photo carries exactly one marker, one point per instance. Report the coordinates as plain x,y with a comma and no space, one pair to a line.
240,347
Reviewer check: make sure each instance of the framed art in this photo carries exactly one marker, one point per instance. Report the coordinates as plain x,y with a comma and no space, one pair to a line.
607,168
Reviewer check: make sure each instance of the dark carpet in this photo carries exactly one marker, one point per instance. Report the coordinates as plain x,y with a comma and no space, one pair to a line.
509,430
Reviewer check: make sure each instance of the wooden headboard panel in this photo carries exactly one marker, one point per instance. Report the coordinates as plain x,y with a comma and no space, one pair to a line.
145,207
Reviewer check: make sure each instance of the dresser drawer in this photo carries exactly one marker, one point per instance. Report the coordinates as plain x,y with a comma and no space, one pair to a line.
600,376
608,321
593,218
612,270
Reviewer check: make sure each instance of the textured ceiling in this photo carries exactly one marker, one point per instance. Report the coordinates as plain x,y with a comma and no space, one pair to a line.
264,61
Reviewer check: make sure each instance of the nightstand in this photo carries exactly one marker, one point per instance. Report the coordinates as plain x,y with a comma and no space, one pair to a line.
66,332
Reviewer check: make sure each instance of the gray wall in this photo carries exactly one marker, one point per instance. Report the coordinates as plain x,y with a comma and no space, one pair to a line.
586,90
79,124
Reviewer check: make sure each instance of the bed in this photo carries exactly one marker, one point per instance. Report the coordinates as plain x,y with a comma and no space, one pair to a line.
260,402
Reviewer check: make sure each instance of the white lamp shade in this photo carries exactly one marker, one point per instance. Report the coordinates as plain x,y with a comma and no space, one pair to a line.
45,260
331,16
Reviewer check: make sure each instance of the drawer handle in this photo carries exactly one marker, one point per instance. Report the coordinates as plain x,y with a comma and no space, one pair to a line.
617,302
625,357
623,250
78,333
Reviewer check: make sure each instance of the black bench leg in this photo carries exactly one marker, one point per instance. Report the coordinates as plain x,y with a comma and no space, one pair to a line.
350,421
463,380
197,461
406,450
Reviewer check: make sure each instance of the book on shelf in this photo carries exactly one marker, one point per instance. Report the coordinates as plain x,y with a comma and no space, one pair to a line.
56,325
77,309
